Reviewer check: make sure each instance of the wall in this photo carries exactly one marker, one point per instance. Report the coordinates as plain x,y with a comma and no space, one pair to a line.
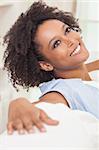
88,14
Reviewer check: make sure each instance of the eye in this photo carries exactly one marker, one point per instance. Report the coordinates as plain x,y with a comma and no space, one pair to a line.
56,43
76,29
67,30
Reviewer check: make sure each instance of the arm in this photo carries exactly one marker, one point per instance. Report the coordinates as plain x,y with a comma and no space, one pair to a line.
23,115
93,66
54,97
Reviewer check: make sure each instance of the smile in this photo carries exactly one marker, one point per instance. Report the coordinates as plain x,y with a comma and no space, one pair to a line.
76,51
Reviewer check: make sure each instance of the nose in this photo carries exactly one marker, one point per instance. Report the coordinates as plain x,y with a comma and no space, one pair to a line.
70,41
72,38
75,35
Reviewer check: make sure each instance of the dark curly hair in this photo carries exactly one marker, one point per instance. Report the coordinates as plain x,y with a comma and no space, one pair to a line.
22,55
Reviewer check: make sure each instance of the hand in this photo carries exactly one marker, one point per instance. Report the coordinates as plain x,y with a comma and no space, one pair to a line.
23,116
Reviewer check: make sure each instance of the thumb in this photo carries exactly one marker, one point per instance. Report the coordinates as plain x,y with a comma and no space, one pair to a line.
46,119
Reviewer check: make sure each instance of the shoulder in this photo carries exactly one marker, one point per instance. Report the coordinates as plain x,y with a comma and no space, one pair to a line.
53,84
60,83
63,86
59,90
55,91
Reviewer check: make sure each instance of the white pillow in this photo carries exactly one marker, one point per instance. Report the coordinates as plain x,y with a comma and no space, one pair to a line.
76,129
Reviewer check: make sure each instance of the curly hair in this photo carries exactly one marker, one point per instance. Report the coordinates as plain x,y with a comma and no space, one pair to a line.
22,55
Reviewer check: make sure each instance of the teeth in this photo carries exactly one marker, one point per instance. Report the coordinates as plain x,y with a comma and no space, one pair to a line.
76,50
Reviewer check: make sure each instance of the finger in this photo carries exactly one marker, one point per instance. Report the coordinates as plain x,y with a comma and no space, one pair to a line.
29,128
28,125
18,125
46,119
10,128
38,123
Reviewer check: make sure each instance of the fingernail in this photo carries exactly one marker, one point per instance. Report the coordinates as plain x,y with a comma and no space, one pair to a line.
57,122
31,131
43,130
10,132
21,132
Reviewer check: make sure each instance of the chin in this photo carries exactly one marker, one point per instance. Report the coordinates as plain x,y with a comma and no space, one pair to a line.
86,56
80,61
83,57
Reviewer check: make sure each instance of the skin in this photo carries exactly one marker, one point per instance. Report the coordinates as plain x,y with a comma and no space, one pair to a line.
93,66
59,59
57,47
23,116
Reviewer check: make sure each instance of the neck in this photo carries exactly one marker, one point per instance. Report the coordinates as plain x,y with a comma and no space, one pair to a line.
80,72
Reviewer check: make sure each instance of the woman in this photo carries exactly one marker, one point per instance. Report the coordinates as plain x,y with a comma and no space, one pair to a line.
44,45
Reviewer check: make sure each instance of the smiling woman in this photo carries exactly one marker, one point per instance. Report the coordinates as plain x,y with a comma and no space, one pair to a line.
29,55
45,45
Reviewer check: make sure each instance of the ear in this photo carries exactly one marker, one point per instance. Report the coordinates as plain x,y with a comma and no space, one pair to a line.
45,66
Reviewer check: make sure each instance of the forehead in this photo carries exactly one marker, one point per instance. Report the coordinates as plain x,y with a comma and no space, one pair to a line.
48,30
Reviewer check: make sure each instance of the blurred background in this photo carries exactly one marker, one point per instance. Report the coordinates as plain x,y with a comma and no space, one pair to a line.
86,10
88,13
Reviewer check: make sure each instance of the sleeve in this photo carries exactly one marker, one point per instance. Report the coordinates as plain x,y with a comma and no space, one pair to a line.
61,87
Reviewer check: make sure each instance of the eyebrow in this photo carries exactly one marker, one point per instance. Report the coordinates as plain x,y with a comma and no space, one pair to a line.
63,26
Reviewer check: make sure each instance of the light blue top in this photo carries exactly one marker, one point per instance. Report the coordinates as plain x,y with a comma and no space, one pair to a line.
78,94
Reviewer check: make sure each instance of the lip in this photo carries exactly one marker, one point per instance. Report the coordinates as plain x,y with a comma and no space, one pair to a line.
74,50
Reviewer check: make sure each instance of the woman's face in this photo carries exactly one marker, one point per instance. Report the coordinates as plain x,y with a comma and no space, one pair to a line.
62,47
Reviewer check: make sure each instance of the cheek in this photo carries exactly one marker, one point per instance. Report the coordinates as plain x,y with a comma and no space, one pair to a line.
61,51
57,54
